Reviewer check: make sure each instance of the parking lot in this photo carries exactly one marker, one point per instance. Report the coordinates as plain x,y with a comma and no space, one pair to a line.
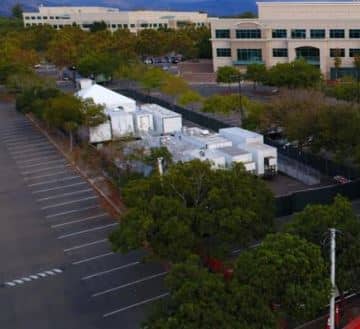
59,238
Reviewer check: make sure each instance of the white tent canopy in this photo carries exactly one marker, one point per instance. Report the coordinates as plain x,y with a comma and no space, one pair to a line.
108,98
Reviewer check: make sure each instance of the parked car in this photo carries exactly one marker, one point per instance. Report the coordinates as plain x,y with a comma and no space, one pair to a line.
341,179
148,61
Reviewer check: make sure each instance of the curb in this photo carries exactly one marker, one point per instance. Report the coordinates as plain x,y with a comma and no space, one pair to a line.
75,166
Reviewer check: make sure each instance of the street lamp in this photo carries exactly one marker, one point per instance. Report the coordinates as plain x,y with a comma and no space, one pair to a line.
238,78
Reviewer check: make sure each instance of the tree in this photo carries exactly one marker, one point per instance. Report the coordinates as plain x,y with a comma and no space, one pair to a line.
17,11
225,104
247,14
287,271
98,26
227,74
190,97
357,67
256,73
153,79
174,86
93,114
199,299
313,224
193,208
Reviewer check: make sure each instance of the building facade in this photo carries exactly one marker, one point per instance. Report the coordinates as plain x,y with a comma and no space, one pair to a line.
285,31
135,21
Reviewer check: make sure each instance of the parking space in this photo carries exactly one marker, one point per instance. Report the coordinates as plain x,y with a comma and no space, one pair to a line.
114,290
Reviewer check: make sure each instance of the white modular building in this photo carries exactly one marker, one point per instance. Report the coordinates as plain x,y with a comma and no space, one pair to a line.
106,97
122,123
241,136
211,141
216,159
99,134
143,121
264,156
235,155
165,121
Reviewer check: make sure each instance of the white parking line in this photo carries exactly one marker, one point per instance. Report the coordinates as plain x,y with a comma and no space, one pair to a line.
85,245
47,175
26,151
63,194
43,153
43,163
110,271
58,188
20,147
44,169
150,277
79,220
146,301
86,260
71,211
69,202
97,228
55,181
26,141
41,157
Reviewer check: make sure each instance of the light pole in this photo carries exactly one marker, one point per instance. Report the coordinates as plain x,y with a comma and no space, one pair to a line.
238,78
332,276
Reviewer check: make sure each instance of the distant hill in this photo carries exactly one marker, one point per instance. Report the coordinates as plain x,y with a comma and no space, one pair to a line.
213,7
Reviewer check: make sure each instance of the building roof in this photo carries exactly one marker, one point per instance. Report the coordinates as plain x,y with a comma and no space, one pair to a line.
233,151
159,110
104,96
241,132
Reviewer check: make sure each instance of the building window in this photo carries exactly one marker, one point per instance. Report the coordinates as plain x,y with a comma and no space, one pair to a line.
28,24
298,34
223,52
279,33
248,34
354,34
337,34
144,25
119,26
353,52
27,17
337,52
33,17
317,34
57,17
51,17
222,34
249,55
165,25
155,24
113,26
125,26
39,17
280,52
132,25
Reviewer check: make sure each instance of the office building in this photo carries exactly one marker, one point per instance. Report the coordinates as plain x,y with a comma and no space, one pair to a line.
284,31
135,21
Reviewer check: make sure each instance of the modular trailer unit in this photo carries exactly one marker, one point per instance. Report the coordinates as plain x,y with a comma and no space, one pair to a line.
143,121
212,141
122,124
241,136
235,155
165,121
98,134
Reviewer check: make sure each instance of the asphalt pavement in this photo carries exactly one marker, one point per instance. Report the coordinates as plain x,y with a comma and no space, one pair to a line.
57,267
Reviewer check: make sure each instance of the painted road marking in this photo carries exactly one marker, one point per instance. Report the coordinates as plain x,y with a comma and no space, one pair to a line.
40,153
20,147
33,277
150,277
44,169
26,141
146,301
47,175
97,228
86,260
68,202
63,194
54,181
85,245
80,220
110,271
45,148
42,163
71,211
42,157
58,188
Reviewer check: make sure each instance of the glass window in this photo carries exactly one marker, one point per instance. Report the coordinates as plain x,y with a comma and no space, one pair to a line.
279,33
280,52
39,17
222,34
132,25
27,17
155,24
113,26
249,55
353,52
248,34
223,52
337,52
51,17
354,33
337,34
298,34
160,25
119,26
57,17
45,17
317,34
33,17
125,26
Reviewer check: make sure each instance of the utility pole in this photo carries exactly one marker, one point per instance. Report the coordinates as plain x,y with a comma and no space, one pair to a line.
238,77
332,276
160,166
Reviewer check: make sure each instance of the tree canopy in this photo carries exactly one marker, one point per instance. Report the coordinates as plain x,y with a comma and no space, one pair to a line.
194,208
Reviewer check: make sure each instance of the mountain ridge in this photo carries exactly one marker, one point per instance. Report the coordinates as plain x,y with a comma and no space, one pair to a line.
213,7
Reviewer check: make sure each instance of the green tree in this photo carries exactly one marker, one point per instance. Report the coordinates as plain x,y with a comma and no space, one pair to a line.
190,98
93,114
287,271
152,79
174,86
256,73
17,11
194,208
356,62
98,26
337,62
227,74
199,299
313,224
